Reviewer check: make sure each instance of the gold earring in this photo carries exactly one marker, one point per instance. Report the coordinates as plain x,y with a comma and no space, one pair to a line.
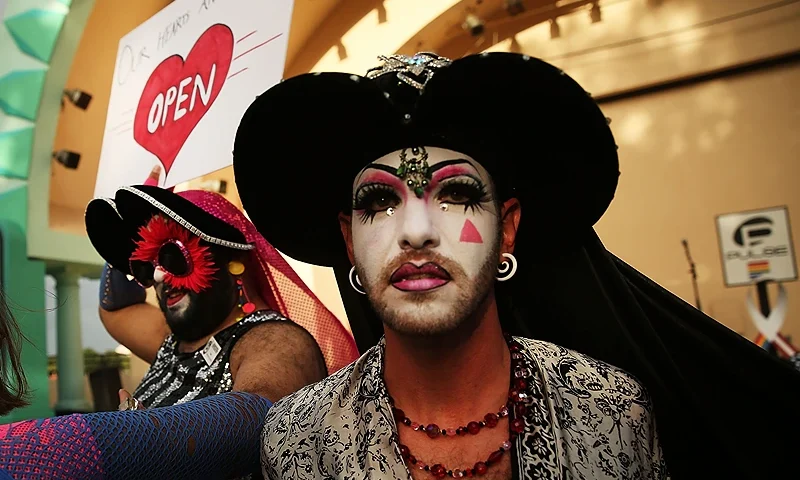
235,267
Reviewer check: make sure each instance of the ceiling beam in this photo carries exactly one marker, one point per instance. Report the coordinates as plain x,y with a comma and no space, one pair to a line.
337,23
447,37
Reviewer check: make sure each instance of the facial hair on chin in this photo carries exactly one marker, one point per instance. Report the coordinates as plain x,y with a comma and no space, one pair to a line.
414,318
203,314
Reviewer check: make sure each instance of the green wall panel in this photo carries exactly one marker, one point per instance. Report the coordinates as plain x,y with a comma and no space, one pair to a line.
36,31
15,152
20,92
14,202
23,283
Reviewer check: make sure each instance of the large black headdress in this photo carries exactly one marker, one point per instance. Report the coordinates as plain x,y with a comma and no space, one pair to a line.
544,141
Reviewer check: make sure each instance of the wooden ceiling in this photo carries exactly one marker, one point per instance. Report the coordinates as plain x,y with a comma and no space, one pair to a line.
318,25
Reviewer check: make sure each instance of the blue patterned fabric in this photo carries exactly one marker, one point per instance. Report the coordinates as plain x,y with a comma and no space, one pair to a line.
117,292
212,438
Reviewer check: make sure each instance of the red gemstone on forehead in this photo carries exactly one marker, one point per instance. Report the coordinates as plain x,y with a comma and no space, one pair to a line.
248,308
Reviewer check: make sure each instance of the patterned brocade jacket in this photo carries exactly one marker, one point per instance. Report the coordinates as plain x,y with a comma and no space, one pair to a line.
586,420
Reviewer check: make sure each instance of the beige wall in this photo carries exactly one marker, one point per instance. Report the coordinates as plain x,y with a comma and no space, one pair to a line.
638,44
82,131
688,155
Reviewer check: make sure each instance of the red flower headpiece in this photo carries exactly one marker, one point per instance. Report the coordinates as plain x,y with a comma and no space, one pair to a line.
160,231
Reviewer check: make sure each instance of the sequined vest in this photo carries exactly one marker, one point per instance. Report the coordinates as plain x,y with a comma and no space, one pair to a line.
176,377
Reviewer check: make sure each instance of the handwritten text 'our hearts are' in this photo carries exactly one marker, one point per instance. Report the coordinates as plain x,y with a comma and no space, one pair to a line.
131,56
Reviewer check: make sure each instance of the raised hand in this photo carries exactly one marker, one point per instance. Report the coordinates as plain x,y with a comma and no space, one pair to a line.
155,174
127,402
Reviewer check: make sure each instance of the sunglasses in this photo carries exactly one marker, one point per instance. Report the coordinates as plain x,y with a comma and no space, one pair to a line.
173,257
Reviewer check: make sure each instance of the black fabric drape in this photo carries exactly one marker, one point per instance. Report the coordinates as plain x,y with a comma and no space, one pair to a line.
724,407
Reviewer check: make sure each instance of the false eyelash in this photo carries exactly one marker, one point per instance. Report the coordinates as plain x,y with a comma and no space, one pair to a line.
475,190
365,195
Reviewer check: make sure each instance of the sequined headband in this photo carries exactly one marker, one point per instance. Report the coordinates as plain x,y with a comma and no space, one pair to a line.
421,65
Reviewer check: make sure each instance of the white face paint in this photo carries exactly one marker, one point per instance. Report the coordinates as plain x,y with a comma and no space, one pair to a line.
426,258
176,309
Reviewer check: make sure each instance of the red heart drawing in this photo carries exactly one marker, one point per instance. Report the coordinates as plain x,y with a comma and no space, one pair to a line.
178,94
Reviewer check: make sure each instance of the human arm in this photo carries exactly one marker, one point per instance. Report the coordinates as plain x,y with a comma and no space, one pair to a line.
137,325
215,437
275,359
128,318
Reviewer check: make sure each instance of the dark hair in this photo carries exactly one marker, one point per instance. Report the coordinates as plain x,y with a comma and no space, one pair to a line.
13,386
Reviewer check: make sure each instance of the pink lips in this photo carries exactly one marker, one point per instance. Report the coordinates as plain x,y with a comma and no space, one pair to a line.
411,278
175,297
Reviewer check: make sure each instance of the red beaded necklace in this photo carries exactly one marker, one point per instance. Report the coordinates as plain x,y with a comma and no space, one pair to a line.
515,408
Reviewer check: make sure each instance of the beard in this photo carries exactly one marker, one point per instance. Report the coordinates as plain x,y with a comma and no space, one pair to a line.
203,312
432,313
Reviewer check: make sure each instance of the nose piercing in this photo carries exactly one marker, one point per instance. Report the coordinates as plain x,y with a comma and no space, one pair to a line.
390,211
444,206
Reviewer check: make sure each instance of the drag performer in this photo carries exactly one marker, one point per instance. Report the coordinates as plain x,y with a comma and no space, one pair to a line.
223,293
465,194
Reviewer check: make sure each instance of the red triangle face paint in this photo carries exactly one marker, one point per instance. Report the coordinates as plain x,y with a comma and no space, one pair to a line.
470,234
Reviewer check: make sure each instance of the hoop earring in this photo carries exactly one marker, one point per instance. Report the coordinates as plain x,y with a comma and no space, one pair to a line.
355,282
508,268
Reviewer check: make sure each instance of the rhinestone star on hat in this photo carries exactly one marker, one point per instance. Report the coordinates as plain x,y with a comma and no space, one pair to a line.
422,66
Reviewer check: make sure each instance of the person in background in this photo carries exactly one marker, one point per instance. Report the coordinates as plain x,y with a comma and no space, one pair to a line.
229,306
212,438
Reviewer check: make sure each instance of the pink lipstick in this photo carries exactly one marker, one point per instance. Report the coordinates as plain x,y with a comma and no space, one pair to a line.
411,278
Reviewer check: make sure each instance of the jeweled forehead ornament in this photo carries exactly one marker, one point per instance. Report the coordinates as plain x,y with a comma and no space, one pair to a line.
422,66
414,170
415,71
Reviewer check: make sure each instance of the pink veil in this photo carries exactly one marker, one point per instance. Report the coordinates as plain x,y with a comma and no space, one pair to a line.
281,287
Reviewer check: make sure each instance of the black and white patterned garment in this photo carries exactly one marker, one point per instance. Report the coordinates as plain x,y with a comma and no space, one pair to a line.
586,420
176,377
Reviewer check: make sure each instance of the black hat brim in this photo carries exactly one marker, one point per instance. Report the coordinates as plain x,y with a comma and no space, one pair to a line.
110,236
536,131
113,230
292,153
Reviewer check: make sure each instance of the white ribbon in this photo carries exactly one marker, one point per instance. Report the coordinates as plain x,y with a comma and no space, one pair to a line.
770,326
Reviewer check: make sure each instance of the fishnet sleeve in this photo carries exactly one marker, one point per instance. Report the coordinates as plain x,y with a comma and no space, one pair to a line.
213,438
